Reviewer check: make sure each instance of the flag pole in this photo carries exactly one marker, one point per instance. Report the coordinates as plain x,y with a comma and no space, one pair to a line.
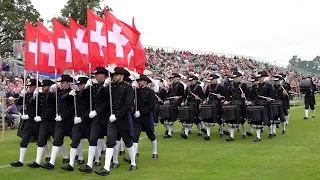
24,87
55,77
90,90
37,85
109,67
74,97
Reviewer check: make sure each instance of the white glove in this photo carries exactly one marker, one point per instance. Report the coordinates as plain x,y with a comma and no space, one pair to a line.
72,92
37,119
36,92
93,114
106,82
25,117
137,114
77,120
53,88
112,118
134,84
58,118
89,83
23,92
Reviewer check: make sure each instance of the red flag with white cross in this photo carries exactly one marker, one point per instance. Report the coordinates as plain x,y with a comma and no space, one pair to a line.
31,51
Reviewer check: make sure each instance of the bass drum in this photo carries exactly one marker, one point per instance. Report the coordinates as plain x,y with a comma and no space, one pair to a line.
305,85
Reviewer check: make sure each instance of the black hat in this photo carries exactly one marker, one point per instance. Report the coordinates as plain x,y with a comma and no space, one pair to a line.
277,77
236,74
127,78
283,75
33,82
254,78
191,78
213,76
144,78
262,74
121,71
100,70
173,75
65,77
82,80
46,82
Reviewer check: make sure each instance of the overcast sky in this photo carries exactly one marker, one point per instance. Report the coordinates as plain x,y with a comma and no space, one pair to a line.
270,30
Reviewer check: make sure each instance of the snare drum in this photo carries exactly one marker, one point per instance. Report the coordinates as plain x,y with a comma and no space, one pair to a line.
206,111
254,113
164,111
229,112
184,113
275,108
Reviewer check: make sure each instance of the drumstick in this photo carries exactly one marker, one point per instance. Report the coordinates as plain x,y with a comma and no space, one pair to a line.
242,92
194,94
159,98
284,90
266,97
217,94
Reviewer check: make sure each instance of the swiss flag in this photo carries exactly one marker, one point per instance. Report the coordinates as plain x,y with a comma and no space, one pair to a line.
79,45
63,46
139,57
97,38
121,39
31,51
46,50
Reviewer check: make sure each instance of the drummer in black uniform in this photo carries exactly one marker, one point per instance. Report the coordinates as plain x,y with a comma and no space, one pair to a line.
31,120
161,97
280,98
236,95
64,119
122,103
309,100
81,126
213,97
47,122
287,87
253,95
98,115
175,95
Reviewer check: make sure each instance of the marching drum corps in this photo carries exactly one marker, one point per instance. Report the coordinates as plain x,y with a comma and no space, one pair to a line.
119,105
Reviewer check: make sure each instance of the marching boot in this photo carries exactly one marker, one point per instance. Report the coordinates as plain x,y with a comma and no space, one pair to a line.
86,169
155,156
230,139
132,168
47,166
16,164
102,172
115,165
67,167
257,140
207,138
34,165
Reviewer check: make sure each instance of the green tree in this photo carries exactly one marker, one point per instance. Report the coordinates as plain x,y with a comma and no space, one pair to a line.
78,11
13,14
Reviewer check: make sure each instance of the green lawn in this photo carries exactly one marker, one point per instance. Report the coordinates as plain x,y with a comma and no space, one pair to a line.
295,155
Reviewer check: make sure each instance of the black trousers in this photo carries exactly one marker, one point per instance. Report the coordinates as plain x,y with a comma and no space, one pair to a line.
31,128
309,102
145,125
45,131
79,131
119,127
62,129
97,129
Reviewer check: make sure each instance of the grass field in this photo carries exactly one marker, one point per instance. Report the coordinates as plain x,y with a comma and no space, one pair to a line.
293,156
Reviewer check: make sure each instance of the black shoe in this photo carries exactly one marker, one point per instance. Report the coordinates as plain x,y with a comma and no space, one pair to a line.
207,138
132,168
102,172
230,139
48,166
16,164
127,159
67,167
86,169
79,162
274,134
121,153
76,158
115,165
65,161
184,136
155,156
96,164
277,125
244,137
34,165
270,136
47,159
166,133
305,118
283,131
103,152
249,133
313,117
204,131
167,136
257,140
226,132
221,135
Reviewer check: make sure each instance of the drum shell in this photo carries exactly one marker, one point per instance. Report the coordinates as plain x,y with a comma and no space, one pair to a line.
164,111
206,112
305,85
255,113
184,113
276,108
229,112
